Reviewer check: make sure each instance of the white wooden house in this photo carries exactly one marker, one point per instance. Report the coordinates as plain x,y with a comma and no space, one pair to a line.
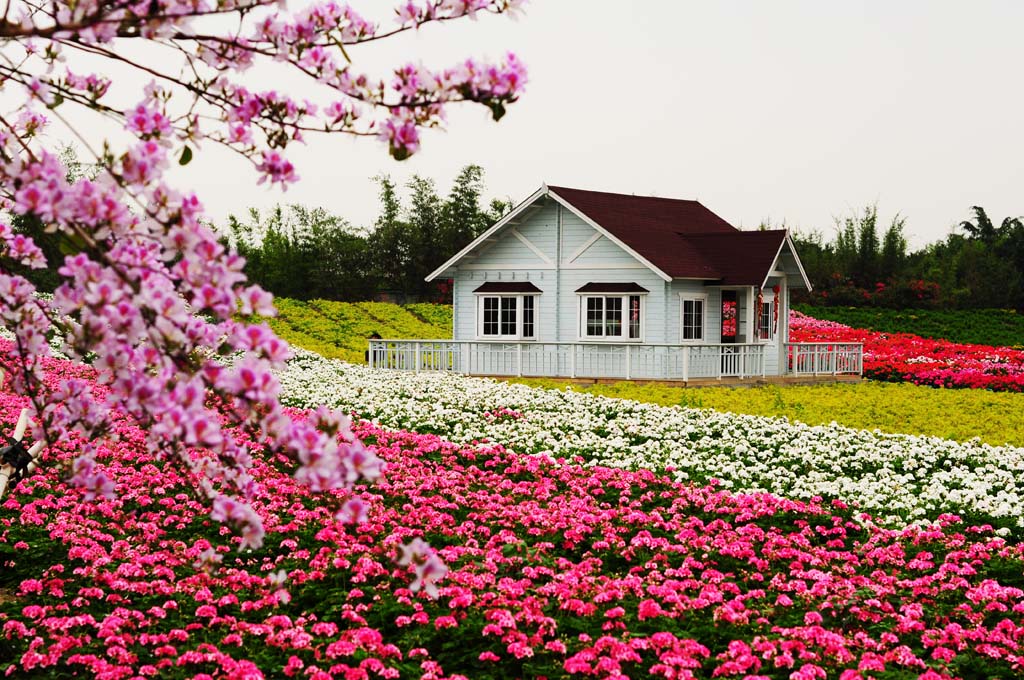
588,284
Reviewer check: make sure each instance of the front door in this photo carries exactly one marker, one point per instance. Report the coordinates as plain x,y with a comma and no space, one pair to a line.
730,322
730,316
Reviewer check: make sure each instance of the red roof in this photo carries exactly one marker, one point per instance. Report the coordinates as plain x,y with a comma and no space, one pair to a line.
681,238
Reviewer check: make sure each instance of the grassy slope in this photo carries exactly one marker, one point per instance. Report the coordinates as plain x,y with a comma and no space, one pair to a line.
1000,327
340,330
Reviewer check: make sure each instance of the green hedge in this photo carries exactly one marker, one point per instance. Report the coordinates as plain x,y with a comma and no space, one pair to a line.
999,327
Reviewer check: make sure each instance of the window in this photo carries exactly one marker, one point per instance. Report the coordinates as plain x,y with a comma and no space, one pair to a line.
611,317
490,315
765,325
507,317
634,317
528,316
691,327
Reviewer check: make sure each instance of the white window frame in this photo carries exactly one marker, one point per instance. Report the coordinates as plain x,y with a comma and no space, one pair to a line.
518,297
757,321
703,299
623,339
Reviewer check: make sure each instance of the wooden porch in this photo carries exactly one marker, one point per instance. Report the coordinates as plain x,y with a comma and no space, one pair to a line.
684,364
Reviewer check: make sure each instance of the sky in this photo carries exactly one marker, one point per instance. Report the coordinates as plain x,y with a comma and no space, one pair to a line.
791,111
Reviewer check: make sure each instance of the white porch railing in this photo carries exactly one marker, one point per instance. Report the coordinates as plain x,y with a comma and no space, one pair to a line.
600,360
817,358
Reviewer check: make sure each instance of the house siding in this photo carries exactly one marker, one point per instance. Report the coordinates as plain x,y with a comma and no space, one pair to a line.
559,234
509,259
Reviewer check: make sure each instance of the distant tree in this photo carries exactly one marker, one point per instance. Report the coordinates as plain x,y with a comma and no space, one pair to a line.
408,244
306,253
894,249
983,229
390,245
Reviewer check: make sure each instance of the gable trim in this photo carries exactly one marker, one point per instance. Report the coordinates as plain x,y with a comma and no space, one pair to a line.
586,245
611,237
529,244
540,193
792,249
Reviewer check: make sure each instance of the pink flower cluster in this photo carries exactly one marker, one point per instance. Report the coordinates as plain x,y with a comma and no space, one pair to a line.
540,568
149,294
904,357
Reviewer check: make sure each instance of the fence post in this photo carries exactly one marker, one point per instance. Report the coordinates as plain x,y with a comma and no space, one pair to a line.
743,361
519,359
372,352
796,359
686,364
572,361
764,360
835,359
416,356
629,355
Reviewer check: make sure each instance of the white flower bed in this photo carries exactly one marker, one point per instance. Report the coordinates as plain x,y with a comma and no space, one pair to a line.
898,478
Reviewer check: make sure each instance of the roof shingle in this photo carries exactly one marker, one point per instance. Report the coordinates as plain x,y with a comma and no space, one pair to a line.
681,238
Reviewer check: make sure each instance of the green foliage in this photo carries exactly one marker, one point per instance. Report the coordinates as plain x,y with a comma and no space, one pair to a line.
307,253
408,244
982,267
996,418
304,253
999,327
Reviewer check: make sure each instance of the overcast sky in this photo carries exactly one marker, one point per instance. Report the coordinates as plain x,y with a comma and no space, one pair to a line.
795,111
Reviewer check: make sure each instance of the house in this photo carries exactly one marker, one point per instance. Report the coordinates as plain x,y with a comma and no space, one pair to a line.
590,284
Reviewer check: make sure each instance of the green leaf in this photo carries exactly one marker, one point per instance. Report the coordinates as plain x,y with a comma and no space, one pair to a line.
186,156
497,110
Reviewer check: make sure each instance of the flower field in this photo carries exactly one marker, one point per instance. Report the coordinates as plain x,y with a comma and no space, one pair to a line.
554,570
907,408
900,478
997,327
993,417
903,357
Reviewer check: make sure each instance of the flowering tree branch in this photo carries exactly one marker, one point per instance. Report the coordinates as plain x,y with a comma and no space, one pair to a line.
149,296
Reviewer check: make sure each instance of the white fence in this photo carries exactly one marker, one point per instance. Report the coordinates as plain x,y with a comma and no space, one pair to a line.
818,358
594,360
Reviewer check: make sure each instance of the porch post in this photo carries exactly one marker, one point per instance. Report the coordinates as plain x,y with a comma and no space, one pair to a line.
751,316
572,360
628,357
519,359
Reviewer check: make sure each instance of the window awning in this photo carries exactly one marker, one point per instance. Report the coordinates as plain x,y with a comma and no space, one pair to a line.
612,288
508,287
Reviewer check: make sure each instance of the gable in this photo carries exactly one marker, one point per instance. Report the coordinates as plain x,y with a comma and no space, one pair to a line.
670,237
533,224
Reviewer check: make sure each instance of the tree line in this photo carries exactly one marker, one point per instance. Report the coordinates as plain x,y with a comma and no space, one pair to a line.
978,265
308,253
